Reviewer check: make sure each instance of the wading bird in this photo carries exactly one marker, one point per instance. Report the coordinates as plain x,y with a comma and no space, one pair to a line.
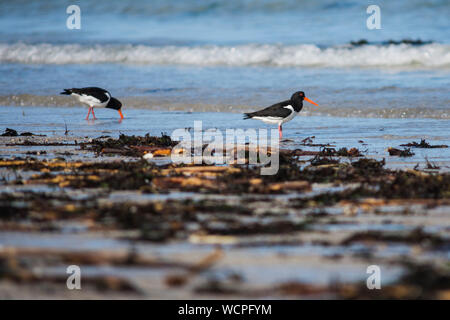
281,112
95,97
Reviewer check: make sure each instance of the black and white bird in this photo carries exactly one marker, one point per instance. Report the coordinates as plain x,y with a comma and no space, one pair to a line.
95,97
281,112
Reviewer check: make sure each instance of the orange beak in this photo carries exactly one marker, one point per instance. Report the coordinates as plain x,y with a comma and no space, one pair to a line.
310,101
120,112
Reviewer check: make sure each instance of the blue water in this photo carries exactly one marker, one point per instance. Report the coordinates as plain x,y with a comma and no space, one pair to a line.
231,55
192,22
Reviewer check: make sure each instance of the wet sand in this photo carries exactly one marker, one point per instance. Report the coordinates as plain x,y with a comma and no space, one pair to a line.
152,230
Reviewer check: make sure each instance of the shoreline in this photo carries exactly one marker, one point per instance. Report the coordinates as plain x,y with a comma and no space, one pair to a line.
143,103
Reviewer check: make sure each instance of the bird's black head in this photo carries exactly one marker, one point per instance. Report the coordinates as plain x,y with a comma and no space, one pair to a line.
299,95
114,104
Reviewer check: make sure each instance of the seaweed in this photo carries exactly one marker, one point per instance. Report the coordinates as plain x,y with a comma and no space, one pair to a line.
417,42
406,152
431,165
308,141
13,133
320,159
423,144
360,42
254,216
416,236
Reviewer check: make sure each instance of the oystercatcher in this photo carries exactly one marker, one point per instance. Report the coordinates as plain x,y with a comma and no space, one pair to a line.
281,112
95,97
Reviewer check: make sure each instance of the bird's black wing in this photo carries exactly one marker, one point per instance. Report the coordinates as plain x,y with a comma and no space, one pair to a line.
276,110
95,92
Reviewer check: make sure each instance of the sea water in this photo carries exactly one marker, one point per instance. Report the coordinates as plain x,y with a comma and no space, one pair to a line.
231,56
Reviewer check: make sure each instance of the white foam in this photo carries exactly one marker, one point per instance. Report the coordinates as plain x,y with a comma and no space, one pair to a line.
427,56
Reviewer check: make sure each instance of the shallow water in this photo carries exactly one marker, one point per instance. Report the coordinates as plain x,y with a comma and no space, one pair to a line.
377,134
339,92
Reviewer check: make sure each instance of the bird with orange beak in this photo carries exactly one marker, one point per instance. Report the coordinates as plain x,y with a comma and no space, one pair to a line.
95,97
281,112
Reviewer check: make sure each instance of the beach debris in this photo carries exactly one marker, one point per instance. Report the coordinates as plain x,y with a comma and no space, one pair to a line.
423,144
13,133
308,140
66,131
290,185
352,152
406,152
324,157
369,164
228,206
212,239
298,152
148,156
176,280
342,152
159,153
189,183
416,236
309,143
431,165
36,153
44,143
10,133
130,145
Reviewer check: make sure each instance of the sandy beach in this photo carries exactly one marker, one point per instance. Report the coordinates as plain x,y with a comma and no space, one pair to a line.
142,229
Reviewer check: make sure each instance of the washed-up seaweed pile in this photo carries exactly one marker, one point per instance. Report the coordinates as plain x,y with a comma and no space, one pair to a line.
248,216
129,145
375,180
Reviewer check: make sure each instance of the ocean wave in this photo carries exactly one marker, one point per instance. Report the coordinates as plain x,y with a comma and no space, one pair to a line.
432,55
152,103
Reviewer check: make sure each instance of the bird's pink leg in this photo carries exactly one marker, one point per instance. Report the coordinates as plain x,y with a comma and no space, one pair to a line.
93,113
89,112
280,130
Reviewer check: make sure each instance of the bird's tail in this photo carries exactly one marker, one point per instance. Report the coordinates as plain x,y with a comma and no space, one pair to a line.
248,116
66,91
